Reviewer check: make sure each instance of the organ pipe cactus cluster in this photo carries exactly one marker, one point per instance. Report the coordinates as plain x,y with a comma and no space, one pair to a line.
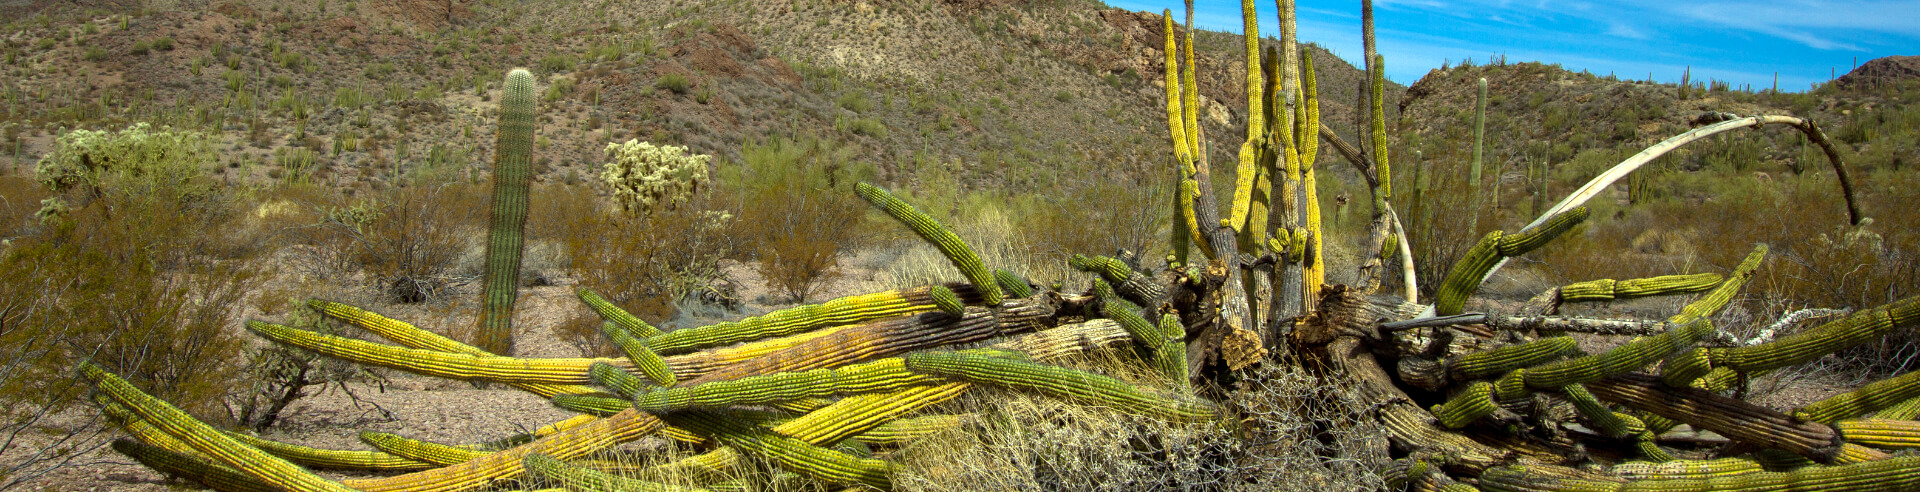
823,392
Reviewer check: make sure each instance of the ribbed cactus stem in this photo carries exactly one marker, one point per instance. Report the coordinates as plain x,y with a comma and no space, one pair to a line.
1378,99
649,363
1799,348
599,406
1013,284
1058,382
431,452
1687,469
608,311
1881,433
790,453
213,475
948,301
1611,424
506,232
906,430
619,380
1873,397
1466,275
588,480
1487,363
427,362
949,244
1608,289
1479,140
413,337
332,459
842,311
267,468
881,375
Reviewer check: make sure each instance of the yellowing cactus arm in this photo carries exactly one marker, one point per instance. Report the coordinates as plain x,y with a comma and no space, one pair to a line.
1870,398
906,430
589,480
213,475
333,459
410,336
430,363
933,231
267,468
789,453
1057,381
880,375
1607,290
845,310
436,453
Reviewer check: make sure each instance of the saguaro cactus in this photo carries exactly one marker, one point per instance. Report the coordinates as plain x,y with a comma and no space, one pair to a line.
506,230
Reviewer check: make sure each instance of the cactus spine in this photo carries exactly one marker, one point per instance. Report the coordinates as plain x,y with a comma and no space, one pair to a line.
506,234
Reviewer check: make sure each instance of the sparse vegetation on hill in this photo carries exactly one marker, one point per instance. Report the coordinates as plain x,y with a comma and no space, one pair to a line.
168,171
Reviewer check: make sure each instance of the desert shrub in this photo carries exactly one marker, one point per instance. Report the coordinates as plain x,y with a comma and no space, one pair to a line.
674,82
642,263
407,241
797,210
130,276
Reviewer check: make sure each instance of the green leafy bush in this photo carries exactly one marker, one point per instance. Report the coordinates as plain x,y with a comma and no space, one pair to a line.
674,82
798,211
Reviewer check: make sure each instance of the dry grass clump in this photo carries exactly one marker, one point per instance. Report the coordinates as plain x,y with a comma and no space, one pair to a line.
1285,431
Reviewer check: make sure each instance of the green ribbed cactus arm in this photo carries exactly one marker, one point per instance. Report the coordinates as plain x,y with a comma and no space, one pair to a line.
1169,354
1799,348
1873,397
1378,101
1114,270
1687,469
610,312
1881,433
1717,298
410,336
213,475
331,458
1058,382
1013,284
584,479
845,310
1466,275
1625,358
792,454
622,383
1614,425
902,431
1479,139
430,363
1488,363
506,232
881,375
599,406
933,231
1470,404
431,452
857,414
1905,410
948,301
643,358
1608,289
1902,473
267,468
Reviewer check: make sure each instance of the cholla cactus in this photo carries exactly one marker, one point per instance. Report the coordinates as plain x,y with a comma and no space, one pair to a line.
644,176
139,161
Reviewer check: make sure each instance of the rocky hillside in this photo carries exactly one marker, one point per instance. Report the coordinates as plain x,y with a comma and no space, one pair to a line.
990,94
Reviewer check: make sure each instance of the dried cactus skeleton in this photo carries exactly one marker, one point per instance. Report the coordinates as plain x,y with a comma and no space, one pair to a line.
808,388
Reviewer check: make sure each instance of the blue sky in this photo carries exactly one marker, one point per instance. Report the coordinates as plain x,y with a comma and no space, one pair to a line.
1740,42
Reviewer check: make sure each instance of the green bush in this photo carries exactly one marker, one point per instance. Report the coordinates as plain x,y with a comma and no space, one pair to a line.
798,213
674,82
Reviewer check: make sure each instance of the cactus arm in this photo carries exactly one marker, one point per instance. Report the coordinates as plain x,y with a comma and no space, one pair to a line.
792,454
568,444
1881,433
332,459
845,310
906,430
610,312
881,375
948,301
506,234
1057,381
1611,424
857,414
1736,419
589,480
267,468
1487,363
1905,410
1169,354
1609,289
428,362
688,366
933,231
599,406
1466,275
413,337
622,383
1805,346
430,452
891,337
1687,469
644,359
1873,397
213,475
1135,286
1015,286
1186,226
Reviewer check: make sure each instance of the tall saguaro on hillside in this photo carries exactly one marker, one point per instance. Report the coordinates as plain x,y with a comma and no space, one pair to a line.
506,230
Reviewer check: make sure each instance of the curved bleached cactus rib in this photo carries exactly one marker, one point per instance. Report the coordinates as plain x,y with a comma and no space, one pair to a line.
267,468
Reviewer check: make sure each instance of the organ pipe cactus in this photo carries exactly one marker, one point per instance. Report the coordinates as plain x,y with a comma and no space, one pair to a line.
1609,289
1466,275
506,232
934,232
1056,381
